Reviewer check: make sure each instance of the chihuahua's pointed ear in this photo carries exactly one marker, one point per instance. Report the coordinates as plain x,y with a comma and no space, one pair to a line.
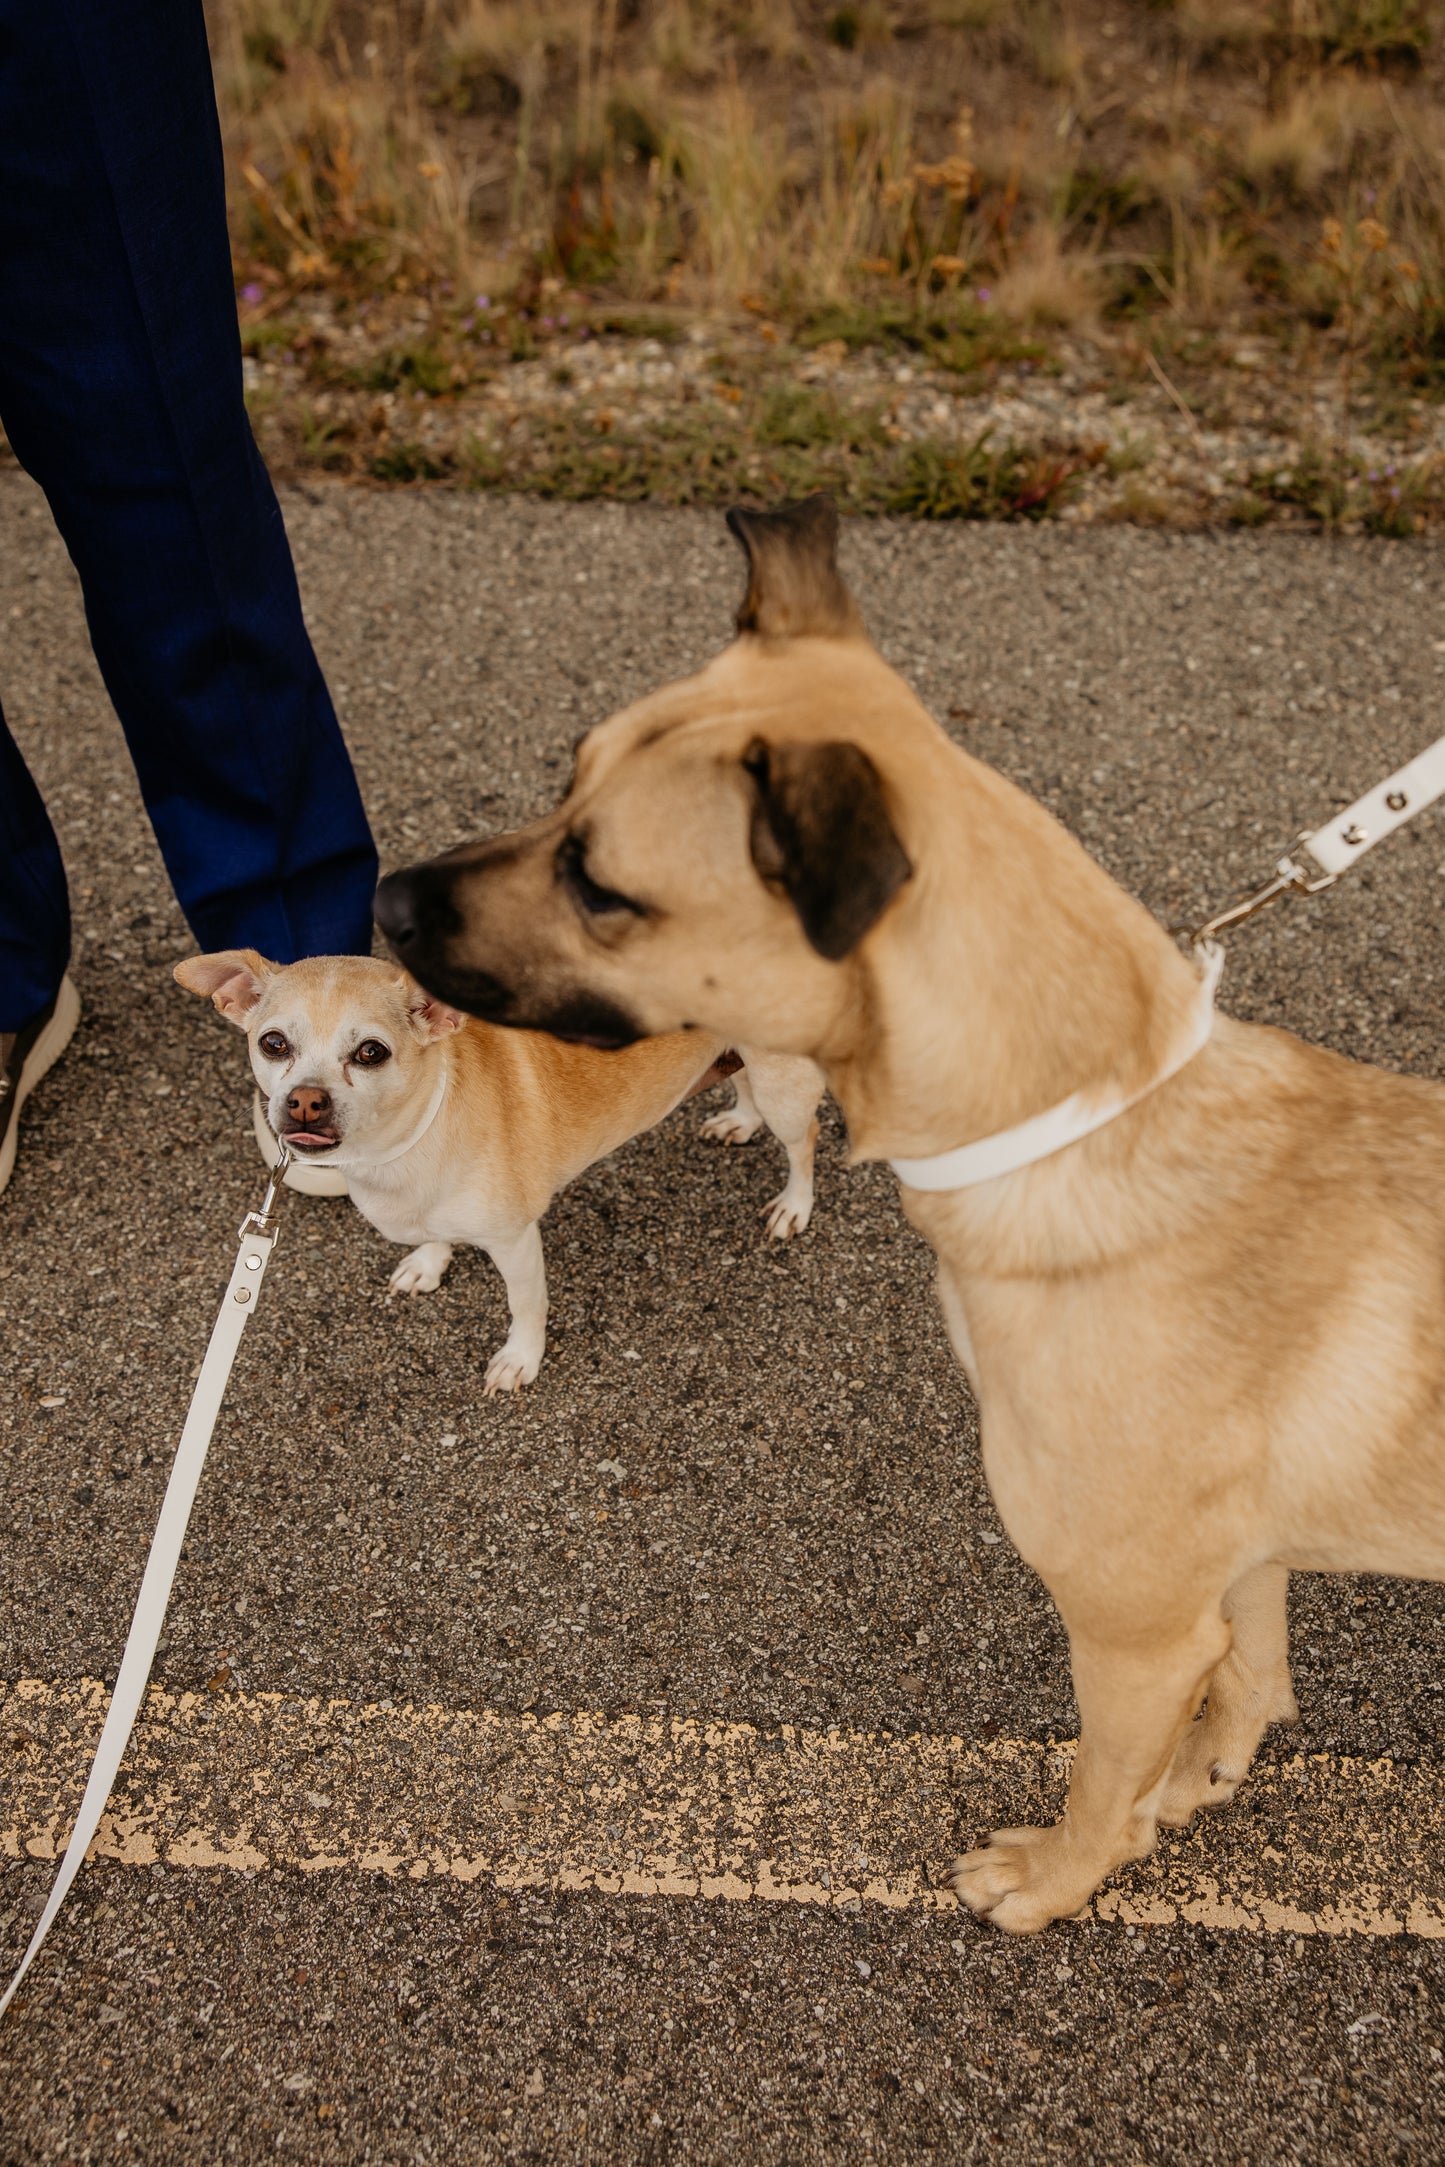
235,979
794,585
821,831
430,1018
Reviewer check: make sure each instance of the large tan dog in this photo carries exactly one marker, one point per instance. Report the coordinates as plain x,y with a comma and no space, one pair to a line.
1208,1342
451,1131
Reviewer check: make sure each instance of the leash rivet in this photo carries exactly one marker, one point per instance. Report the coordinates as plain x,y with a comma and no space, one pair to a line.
243,1294
1397,801
1353,834
253,1264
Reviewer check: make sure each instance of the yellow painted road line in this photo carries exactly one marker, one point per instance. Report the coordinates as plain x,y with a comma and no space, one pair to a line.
673,1806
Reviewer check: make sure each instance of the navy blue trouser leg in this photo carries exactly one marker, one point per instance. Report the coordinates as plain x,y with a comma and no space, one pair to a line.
120,390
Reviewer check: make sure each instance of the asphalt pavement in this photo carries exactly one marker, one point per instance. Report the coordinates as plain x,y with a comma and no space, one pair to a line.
740,1511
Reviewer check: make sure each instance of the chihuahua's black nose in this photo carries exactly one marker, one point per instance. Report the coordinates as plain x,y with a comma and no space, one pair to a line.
415,906
308,1105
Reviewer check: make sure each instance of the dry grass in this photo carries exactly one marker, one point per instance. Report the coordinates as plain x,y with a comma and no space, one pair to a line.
1142,154
1047,285
1140,176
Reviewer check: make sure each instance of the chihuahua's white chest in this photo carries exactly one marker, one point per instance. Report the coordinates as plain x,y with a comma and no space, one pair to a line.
405,1215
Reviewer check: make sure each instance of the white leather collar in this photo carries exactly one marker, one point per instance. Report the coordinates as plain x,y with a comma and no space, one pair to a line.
1067,1123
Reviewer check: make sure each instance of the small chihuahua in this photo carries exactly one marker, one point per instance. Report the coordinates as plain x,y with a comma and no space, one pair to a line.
451,1130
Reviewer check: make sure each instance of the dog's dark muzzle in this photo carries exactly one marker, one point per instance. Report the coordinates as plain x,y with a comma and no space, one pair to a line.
417,912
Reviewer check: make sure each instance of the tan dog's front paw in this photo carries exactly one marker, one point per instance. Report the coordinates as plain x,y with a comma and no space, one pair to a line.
1215,1754
1021,1879
732,1126
1199,1777
788,1214
509,1369
422,1271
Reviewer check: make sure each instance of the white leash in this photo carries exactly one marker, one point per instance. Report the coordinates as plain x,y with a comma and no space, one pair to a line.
1334,848
259,1232
1345,839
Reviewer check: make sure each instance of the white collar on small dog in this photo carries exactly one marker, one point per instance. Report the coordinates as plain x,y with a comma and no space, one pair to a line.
1067,1123
384,1158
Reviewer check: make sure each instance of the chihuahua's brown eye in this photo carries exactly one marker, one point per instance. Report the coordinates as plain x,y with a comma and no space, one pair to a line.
274,1045
371,1053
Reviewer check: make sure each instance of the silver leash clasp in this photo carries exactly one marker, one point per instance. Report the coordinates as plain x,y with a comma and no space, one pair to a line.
267,1220
1290,878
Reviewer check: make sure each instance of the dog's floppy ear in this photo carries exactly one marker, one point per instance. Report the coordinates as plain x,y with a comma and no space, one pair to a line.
235,979
794,585
821,829
430,1019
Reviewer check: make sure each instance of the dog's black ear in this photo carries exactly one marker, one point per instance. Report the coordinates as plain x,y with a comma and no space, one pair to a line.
821,829
794,585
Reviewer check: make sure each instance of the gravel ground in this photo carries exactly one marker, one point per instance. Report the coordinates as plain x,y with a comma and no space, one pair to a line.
800,1532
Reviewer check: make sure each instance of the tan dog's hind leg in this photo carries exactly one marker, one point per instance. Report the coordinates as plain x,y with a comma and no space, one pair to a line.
525,1276
785,1091
422,1271
1250,1690
1135,1701
738,1123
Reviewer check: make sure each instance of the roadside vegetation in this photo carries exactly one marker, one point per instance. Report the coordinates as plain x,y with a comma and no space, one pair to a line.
960,258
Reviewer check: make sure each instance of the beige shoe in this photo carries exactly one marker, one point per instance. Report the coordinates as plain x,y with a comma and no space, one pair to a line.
27,1057
308,1180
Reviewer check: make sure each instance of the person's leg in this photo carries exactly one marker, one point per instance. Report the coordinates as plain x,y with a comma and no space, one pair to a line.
34,907
120,390
38,1005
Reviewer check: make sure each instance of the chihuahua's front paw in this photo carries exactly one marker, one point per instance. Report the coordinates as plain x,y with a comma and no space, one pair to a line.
1021,1878
732,1126
789,1213
421,1272
512,1367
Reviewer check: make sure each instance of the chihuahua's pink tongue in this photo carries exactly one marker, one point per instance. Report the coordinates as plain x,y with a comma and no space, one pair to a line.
311,1139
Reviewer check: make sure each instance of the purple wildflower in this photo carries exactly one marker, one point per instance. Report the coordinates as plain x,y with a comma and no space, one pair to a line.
546,323
251,293
984,295
483,301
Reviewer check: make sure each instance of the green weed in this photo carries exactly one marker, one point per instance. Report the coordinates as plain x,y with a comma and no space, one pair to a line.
1333,491
958,335
324,439
983,481
421,367
407,462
